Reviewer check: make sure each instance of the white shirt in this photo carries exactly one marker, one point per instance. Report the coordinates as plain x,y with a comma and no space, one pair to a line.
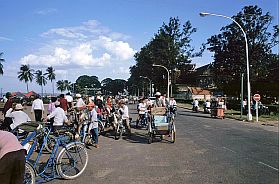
80,103
37,105
18,117
92,117
59,116
125,112
196,103
172,103
207,104
142,108
69,98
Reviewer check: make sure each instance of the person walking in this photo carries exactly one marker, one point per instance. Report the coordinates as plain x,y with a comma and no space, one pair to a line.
12,159
63,103
38,108
70,100
51,105
8,104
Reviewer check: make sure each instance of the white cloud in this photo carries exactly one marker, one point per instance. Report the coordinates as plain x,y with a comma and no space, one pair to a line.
77,56
2,38
80,49
46,11
121,49
65,32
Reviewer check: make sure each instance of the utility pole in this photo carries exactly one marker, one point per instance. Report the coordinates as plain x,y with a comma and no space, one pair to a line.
241,103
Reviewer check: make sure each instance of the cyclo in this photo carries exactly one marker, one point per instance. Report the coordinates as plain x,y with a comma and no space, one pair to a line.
162,123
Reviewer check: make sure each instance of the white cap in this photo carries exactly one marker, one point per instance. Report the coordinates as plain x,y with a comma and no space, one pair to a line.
158,94
57,103
18,107
78,95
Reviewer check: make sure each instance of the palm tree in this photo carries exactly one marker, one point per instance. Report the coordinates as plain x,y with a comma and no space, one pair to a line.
67,85
41,79
25,74
1,65
51,76
60,85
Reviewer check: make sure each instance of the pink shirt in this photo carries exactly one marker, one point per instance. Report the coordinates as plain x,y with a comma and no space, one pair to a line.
51,107
8,143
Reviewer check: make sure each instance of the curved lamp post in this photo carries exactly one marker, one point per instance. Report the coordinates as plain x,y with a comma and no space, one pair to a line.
150,83
168,95
203,14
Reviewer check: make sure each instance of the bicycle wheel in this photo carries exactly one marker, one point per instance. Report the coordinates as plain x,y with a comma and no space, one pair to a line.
72,160
29,175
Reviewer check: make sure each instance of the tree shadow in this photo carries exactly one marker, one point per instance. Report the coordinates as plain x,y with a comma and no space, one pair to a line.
195,114
137,137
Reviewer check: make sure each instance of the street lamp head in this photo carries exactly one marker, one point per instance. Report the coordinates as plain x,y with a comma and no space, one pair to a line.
203,14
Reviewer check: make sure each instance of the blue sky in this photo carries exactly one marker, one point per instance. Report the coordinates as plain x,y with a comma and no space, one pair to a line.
98,37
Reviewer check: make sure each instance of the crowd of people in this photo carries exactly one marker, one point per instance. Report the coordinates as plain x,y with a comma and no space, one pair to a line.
91,108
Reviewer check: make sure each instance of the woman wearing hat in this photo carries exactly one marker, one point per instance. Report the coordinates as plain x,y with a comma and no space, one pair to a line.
18,116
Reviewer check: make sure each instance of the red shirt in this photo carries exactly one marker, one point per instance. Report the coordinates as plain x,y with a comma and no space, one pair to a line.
63,104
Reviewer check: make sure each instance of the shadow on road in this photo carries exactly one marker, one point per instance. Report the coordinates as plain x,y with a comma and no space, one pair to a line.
194,114
136,137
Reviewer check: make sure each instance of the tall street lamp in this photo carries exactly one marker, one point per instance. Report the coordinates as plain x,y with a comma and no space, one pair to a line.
168,95
150,83
203,14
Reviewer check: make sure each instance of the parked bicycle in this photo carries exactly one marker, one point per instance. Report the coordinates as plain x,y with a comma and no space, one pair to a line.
67,163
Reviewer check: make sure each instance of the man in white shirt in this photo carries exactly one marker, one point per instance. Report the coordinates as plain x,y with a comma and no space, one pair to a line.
18,116
70,100
172,105
142,110
38,108
80,103
59,117
124,111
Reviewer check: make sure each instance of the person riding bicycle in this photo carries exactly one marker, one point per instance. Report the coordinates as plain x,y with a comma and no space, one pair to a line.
17,115
142,110
158,101
124,112
91,116
59,117
196,105
172,105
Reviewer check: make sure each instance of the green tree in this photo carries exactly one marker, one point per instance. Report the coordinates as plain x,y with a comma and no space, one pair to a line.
86,81
106,85
230,56
25,74
61,85
41,79
51,76
170,47
67,85
1,65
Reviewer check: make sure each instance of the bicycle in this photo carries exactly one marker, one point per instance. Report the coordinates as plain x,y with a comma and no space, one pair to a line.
67,163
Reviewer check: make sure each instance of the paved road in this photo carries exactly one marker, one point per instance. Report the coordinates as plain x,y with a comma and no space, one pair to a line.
206,151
